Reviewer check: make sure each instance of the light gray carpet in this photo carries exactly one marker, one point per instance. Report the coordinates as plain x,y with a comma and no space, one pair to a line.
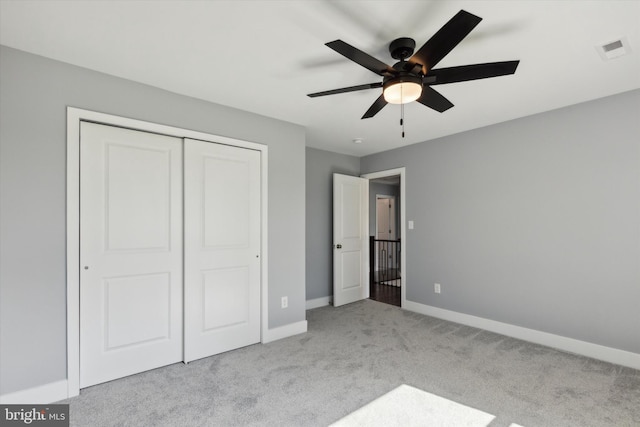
354,354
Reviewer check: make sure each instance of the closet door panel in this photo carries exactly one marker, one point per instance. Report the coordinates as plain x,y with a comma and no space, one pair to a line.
222,248
130,252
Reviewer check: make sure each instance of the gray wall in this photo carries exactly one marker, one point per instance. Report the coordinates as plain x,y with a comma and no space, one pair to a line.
35,93
321,165
376,188
533,222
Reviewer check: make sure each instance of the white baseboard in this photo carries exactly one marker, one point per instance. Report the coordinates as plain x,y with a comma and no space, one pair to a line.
596,351
285,331
47,393
318,302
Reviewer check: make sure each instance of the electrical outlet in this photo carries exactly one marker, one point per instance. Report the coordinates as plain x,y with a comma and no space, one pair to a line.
284,302
436,288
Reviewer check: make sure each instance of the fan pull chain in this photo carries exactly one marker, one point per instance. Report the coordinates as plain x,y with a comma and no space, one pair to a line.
402,118
401,112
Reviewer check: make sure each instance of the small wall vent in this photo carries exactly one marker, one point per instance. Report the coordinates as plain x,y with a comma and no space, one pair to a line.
613,49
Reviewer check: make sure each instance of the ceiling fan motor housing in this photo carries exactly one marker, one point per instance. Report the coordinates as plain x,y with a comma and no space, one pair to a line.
402,48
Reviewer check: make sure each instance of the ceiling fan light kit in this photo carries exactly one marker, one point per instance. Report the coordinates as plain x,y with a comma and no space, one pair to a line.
402,89
411,78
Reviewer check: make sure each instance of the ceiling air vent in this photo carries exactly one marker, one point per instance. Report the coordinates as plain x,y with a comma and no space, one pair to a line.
613,49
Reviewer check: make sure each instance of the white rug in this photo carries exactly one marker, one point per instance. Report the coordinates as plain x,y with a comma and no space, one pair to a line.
407,406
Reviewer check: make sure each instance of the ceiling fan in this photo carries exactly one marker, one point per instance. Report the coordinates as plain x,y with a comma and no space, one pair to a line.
411,78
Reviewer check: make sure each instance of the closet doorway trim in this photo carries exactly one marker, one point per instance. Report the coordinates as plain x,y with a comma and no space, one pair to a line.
74,117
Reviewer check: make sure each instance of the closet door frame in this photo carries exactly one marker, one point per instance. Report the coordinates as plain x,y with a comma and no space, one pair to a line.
74,117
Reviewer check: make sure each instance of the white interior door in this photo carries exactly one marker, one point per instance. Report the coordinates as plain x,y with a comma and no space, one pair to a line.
382,219
222,248
392,218
130,252
350,239
385,218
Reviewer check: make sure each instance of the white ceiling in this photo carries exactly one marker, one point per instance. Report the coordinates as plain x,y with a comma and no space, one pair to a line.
265,56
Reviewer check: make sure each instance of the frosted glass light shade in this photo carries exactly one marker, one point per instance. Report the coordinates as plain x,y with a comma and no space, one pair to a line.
402,92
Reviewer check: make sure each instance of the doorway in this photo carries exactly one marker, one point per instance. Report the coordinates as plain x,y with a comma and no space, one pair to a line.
387,243
385,274
75,119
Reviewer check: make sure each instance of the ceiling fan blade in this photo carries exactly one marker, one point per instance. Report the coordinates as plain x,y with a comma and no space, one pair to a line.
442,42
434,100
472,72
375,107
346,89
361,58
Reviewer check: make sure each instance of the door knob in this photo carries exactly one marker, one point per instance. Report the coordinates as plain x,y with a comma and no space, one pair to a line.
339,246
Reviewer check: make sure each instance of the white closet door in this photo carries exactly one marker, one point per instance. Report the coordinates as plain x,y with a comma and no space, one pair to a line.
222,248
130,252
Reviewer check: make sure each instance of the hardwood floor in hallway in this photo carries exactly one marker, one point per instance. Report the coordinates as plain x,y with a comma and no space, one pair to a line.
387,294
